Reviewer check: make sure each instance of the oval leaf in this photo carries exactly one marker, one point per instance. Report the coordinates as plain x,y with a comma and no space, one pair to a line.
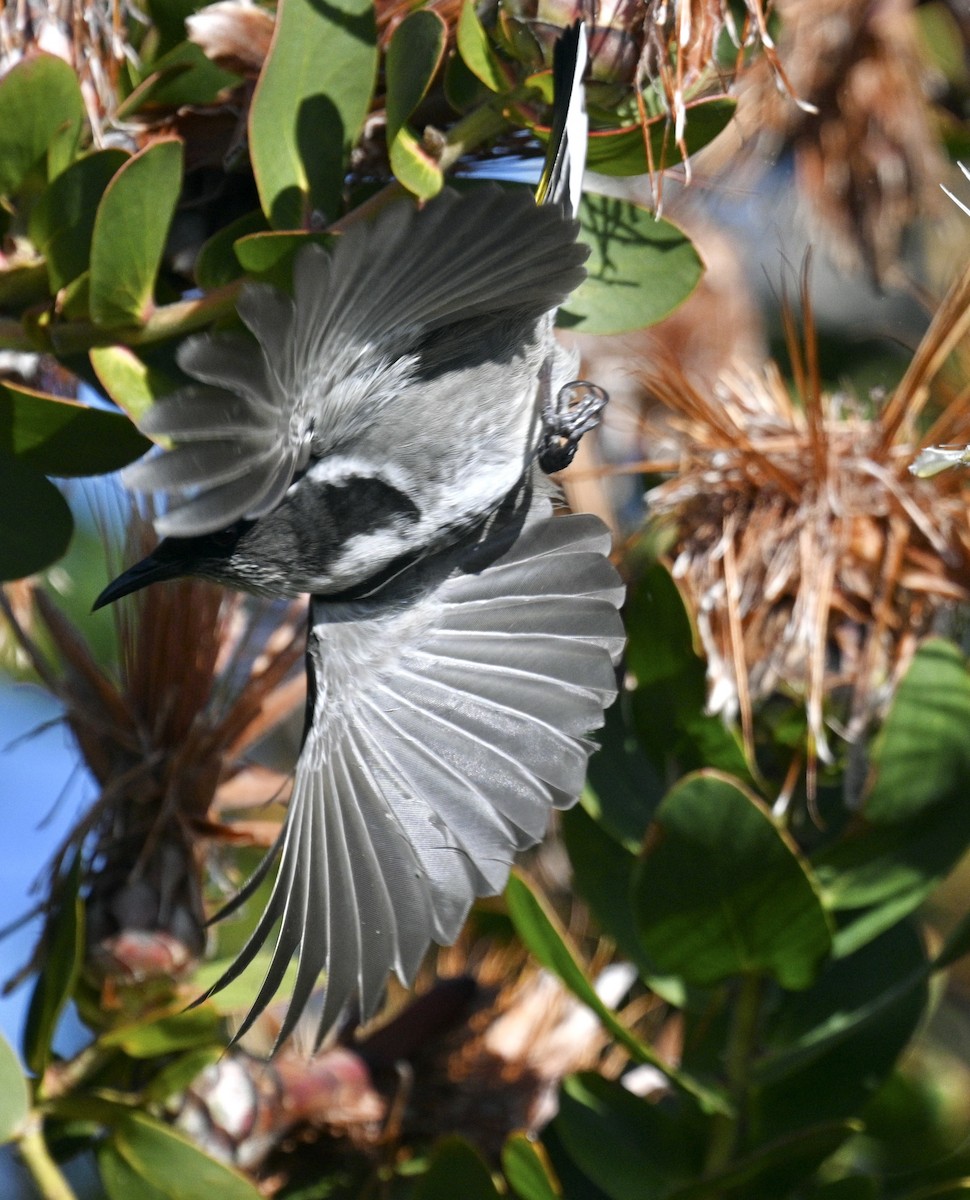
131,382
639,271
929,721
152,1160
622,151
722,891
130,230
528,1170
309,105
63,955
630,1148
14,1096
216,263
413,58
456,1170
35,522
62,222
476,50
63,437
40,107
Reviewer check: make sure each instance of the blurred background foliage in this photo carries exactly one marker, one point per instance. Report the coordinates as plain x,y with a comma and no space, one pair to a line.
738,968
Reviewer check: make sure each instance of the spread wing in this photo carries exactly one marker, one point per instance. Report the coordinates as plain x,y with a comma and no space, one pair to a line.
447,719
324,363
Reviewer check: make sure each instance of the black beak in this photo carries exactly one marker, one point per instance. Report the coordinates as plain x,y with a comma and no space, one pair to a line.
152,569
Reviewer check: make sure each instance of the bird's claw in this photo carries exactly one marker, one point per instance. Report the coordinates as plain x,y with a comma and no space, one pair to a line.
575,411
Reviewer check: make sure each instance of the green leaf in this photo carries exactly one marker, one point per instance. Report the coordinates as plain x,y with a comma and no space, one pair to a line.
874,875
121,1181
63,955
603,874
629,1147
130,231
723,891
639,271
217,263
62,222
168,1034
413,58
40,105
528,1169
476,50
623,786
456,1170
63,437
14,1095
269,256
773,1169
131,382
310,103
826,1050
547,943
146,1159
621,152
176,1076
929,721
185,75
35,521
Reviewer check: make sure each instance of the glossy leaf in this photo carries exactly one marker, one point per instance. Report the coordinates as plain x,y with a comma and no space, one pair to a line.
130,231
185,75
14,1094
629,1147
722,890
639,271
877,874
622,151
668,707
40,107
63,437
774,1168
62,960
310,103
623,786
476,50
827,1049
130,381
62,221
35,521
413,59
217,263
146,1159
547,943
456,1170
167,1035
528,1170
269,256
177,1075
929,721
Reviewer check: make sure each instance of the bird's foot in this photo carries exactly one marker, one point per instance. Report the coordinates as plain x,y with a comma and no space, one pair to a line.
575,410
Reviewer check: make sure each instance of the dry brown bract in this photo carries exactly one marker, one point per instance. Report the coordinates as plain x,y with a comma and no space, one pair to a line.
811,557
203,675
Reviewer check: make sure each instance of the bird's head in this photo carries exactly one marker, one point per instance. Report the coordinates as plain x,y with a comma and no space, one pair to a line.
213,556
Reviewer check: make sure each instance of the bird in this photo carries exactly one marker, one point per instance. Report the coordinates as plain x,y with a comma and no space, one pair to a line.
382,443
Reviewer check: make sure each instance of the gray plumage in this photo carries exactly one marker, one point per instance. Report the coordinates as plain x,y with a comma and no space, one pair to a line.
450,714
375,443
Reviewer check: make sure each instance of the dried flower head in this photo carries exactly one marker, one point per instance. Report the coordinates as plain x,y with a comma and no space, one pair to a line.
203,674
867,161
812,557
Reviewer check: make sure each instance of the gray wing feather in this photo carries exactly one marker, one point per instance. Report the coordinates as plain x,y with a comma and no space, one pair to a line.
450,716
